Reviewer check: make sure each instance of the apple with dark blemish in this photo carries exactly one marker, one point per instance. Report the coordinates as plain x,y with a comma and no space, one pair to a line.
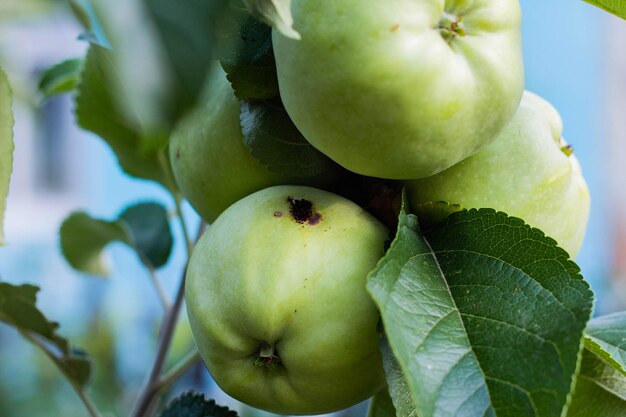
277,301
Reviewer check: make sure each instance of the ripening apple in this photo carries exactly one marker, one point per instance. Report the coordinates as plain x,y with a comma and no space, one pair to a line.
212,166
528,172
278,305
401,89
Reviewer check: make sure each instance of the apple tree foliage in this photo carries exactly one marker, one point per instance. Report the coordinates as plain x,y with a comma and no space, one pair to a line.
481,314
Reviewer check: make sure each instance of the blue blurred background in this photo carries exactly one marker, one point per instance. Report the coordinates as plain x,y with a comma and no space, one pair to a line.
574,57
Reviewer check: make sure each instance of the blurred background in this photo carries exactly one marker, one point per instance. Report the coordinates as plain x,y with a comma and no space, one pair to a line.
574,57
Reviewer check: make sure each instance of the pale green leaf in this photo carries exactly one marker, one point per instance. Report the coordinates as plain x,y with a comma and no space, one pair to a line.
600,390
60,78
6,146
275,13
83,238
606,337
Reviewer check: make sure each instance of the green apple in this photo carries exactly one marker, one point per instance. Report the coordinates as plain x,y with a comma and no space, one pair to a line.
212,166
528,172
277,301
401,89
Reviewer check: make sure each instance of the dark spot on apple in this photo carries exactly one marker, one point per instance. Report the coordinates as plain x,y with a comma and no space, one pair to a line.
302,211
177,153
395,27
278,214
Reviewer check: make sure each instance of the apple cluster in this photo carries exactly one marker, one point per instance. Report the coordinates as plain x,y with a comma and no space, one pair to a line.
428,95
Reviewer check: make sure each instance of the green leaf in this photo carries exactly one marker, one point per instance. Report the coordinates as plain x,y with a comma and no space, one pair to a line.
6,146
83,239
275,141
276,13
60,78
465,306
144,227
241,38
617,7
191,404
399,391
606,337
162,53
600,390
18,309
150,231
98,111
431,214
81,14
381,405
257,81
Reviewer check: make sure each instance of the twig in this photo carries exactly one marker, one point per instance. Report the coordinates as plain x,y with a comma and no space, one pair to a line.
178,370
148,394
82,394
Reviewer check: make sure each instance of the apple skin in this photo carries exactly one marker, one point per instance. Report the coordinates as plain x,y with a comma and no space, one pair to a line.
257,277
523,173
211,165
376,87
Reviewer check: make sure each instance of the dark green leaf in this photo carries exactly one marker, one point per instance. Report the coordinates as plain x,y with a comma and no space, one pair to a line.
600,390
242,39
61,78
18,309
431,214
83,239
144,227
150,231
78,366
191,404
465,307
98,111
257,81
276,13
617,7
381,405
606,337
186,32
162,53
275,141
6,145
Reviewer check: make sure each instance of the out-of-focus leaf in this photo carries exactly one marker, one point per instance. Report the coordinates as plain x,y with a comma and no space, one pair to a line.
60,78
98,111
144,227
191,404
162,53
83,239
150,231
18,309
6,146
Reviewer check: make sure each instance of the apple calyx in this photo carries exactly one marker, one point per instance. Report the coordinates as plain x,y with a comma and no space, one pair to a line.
267,357
568,150
302,211
451,26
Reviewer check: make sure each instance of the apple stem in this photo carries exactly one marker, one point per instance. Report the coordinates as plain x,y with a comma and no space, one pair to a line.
450,27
